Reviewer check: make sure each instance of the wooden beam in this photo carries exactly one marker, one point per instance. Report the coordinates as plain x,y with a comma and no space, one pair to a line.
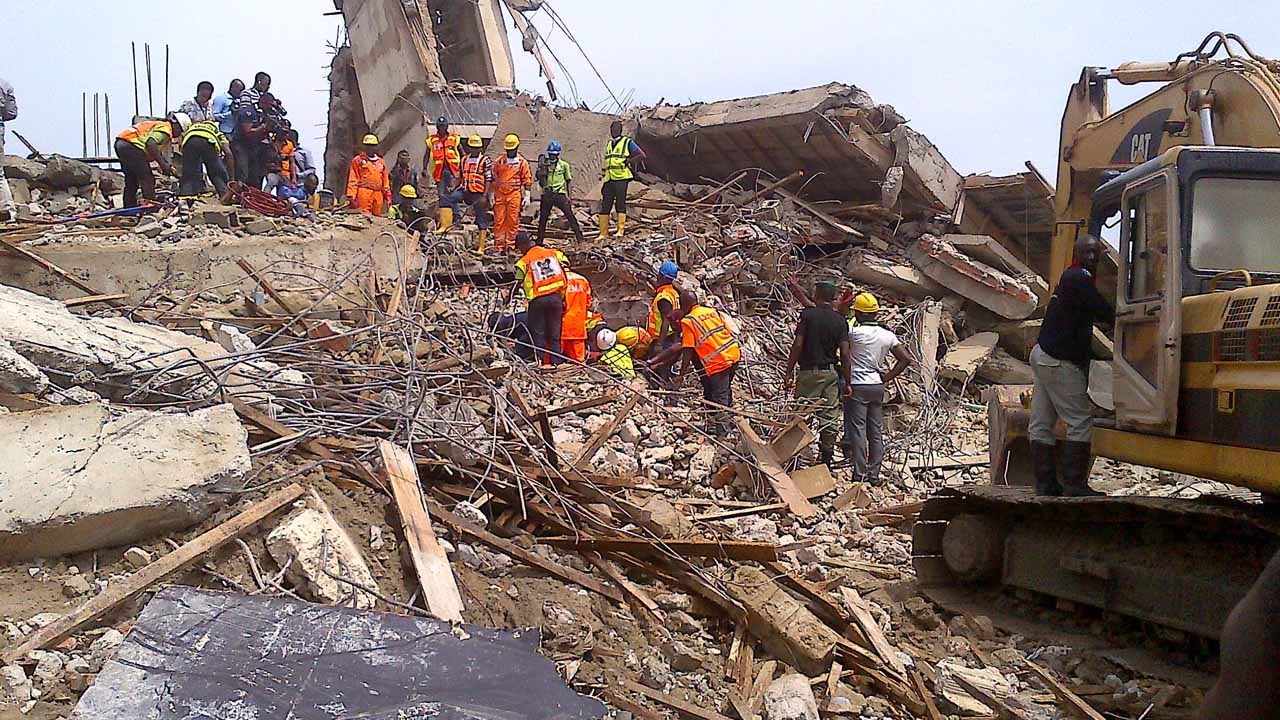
155,572
435,576
271,292
930,707
602,435
645,547
773,472
686,709
635,591
51,268
90,299
741,512
579,405
1074,703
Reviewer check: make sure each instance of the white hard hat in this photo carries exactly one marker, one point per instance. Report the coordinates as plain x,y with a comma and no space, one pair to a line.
183,120
606,339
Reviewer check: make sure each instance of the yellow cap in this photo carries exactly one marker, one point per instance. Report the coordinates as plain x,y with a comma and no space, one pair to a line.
369,139
866,303
475,141
409,191
511,142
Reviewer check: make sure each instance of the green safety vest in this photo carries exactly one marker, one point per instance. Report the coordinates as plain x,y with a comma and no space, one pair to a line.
616,154
558,178
208,130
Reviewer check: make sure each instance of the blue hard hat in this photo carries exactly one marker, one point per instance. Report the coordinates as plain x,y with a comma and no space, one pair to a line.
669,270
553,147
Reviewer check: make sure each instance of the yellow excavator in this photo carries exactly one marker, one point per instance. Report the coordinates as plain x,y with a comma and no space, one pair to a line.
1190,176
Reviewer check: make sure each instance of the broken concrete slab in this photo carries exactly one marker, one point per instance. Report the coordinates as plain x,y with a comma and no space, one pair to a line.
986,249
1002,368
925,164
786,627
21,168
904,280
80,477
18,374
975,280
582,133
964,359
317,551
1017,210
62,173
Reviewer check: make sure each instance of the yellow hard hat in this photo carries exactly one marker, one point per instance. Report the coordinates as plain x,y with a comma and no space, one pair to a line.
409,191
511,142
369,139
475,141
628,336
866,303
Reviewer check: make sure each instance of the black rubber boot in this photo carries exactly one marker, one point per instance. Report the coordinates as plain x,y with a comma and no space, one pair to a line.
1045,463
1077,457
827,456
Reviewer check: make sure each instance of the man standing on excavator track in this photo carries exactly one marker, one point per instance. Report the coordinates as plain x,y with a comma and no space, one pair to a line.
1060,364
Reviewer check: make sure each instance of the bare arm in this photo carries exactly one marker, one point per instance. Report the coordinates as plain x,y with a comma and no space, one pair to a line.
1246,687
801,296
846,368
793,357
902,361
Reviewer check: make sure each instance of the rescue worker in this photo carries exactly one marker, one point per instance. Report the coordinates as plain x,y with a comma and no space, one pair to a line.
368,186
821,350
402,174
409,210
443,160
205,149
475,189
555,176
620,154
614,356
1246,688
512,180
869,345
636,339
707,342
577,306
138,145
541,273
1060,365
666,300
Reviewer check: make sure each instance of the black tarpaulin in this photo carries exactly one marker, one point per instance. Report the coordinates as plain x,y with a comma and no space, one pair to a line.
199,654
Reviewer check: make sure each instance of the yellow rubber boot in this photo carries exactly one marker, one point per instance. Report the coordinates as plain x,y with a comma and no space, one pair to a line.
445,220
622,224
604,227
483,242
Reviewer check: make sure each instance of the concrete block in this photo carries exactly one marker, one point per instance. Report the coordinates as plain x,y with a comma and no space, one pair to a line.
964,359
211,214
903,280
261,226
789,631
21,190
315,548
925,164
790,697
975,280
1002,368
987,249
21,168
62,173
81,477
18,374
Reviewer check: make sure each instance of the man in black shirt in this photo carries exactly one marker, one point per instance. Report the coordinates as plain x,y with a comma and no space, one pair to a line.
821,345
1060,363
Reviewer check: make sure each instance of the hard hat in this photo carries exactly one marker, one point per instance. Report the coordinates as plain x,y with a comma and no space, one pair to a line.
409,191
511,142
606,339
442,121
669,270
553,147
628,336
475,141
866,303
183,120
369,139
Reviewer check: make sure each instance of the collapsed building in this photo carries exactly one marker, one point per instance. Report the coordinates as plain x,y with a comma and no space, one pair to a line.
304,427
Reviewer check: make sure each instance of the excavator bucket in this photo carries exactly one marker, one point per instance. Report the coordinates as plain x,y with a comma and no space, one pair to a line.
1008,414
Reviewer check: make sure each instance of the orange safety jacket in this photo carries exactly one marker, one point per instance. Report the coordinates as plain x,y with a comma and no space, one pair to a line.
477,172
705,331
577,305
445,151
159,130
542,271
368,176
657,323
511,176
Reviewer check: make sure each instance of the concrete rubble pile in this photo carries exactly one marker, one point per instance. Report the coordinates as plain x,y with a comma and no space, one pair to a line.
314,409
58,187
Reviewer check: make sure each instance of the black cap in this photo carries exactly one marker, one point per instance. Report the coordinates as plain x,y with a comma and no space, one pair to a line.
442,120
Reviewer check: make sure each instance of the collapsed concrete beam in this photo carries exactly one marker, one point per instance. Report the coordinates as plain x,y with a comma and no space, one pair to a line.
897,278
582,133
317,551
963,359
1002,368
986,249
789,630
977,281
81,477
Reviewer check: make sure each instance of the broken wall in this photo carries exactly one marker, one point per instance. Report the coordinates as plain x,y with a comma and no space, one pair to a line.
582,133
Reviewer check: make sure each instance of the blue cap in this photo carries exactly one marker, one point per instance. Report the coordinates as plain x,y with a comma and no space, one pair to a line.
669,270
553,147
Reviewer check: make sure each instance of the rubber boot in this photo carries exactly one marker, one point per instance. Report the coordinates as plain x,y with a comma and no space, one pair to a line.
622,224
1045,464
604,227
444,220
482,244
827,456
1076,460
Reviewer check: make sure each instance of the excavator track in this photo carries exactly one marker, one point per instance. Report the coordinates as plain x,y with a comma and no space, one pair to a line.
1180,564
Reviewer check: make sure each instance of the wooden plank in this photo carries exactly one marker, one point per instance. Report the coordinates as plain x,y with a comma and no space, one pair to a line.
51,268
645,547
1073,702
622,702
756,702
435,576
90,299
822,215
619,579
732,660
580,405
856,496
1003,710
791,439
773,472
685,708
602,435
529,558
741,512
833,679
814,481
951,461
155,572
930,707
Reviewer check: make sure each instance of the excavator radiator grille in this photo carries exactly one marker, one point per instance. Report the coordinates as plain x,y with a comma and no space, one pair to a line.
1271,313
1233,340
1239,312
1269,344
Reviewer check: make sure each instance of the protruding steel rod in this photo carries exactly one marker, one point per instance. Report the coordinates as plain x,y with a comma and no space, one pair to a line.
84,124
133,50
97,129
151,105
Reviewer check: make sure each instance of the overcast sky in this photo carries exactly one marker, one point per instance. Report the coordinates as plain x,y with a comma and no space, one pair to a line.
986,81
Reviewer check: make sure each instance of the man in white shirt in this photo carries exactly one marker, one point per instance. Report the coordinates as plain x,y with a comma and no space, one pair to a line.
869,345
8,111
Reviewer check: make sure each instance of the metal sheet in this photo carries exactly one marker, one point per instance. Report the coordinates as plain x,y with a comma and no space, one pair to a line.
199,654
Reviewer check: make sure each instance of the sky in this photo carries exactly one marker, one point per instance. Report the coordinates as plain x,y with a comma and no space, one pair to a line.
986,81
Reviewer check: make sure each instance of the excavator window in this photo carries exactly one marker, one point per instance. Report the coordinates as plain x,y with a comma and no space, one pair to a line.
1235,224
1148,245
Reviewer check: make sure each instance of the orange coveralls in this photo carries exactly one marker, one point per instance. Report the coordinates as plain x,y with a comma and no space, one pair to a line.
511,177
368,185
577,305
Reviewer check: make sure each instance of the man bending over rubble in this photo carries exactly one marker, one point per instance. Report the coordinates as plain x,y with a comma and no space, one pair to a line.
706,341
541,273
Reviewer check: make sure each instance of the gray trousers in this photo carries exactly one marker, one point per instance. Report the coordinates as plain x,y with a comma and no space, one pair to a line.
1061,392
6,195
864,431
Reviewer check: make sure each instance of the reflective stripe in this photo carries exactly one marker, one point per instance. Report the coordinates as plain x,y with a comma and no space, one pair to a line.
159,130
474,177
657,323
543,271
208,130
445,152
716,346
616,154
